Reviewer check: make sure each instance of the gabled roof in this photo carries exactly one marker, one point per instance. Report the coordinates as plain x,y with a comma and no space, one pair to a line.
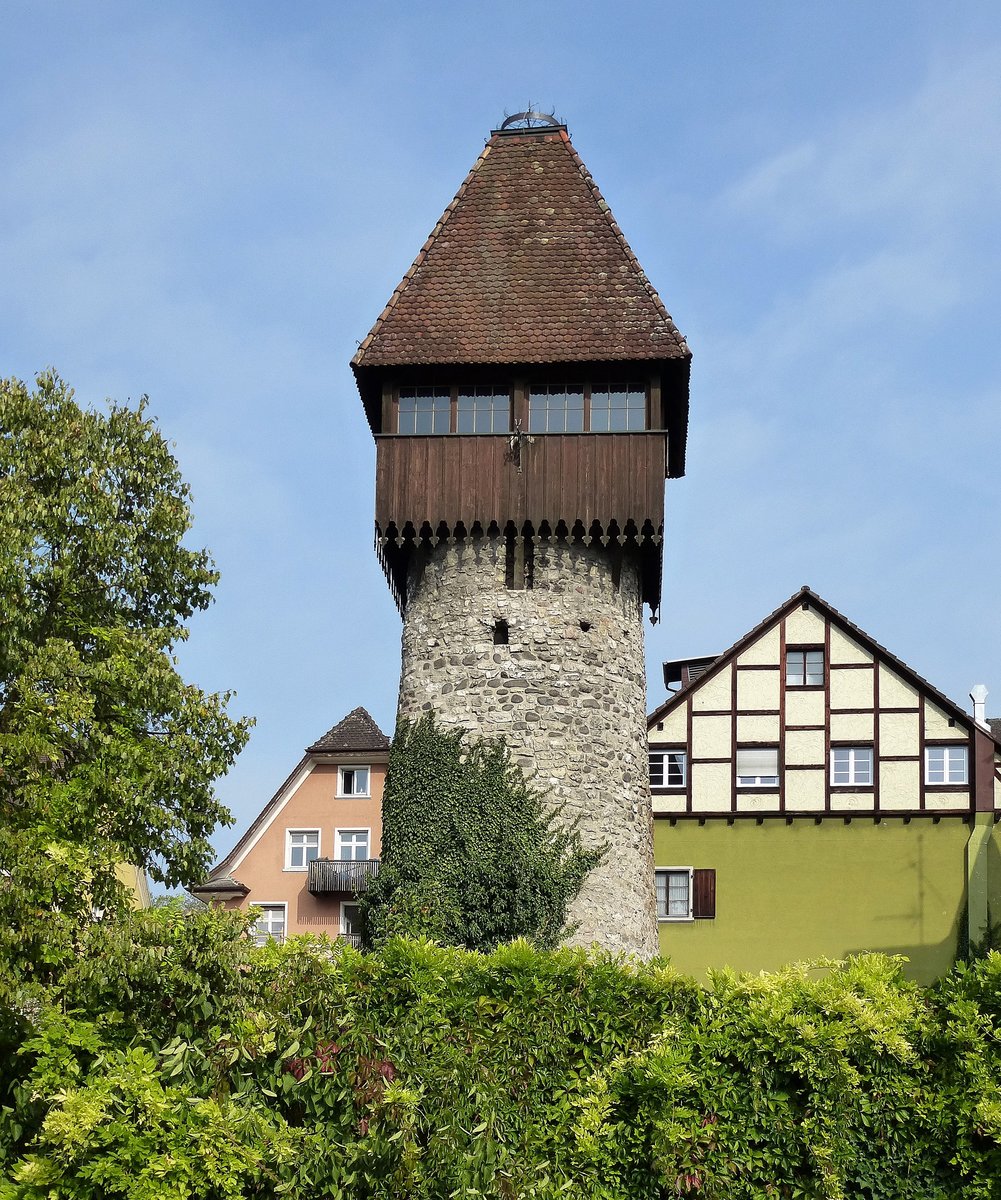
837,618
356,732
526,265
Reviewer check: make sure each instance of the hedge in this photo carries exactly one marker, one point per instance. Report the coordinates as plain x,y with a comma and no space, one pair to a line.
176,1060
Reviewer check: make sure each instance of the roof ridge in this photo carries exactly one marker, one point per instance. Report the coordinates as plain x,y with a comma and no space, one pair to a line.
429,241
847,625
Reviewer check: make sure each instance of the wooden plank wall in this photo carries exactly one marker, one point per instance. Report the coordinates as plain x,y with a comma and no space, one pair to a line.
570,477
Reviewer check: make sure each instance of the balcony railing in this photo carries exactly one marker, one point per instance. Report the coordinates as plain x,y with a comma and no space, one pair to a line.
328,875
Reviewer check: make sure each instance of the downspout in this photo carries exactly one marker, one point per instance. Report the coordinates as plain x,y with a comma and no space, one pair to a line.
977,881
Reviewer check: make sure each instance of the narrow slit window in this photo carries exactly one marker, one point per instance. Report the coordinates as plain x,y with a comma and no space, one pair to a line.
501,633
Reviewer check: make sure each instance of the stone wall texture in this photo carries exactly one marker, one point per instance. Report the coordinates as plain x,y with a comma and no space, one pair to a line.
568,693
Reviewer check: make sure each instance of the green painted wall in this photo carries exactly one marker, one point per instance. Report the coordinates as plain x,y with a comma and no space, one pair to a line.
806,890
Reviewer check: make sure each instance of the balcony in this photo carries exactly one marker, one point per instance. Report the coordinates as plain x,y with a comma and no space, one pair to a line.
329,875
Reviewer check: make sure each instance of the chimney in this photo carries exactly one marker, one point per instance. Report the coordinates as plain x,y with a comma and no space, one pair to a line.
978,694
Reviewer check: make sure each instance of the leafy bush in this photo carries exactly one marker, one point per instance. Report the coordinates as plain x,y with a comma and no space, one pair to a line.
175,1059
471,853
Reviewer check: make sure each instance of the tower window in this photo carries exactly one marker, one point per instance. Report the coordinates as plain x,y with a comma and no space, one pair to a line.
425,410
500,633
556,409
483,410
618,408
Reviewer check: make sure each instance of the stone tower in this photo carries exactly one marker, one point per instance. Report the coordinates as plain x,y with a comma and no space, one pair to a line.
528,392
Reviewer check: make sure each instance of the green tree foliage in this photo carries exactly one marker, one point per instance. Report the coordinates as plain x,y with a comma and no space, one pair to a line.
106,754
471,853
174,1059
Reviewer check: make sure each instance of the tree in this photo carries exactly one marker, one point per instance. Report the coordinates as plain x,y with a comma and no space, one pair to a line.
471,853
106,754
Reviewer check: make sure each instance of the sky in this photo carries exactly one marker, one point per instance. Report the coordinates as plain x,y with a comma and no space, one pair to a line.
210,203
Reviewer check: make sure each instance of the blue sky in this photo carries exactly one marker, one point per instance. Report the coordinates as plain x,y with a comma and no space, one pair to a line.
210,203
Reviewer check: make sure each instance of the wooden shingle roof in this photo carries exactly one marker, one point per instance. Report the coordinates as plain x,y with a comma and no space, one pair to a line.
526,265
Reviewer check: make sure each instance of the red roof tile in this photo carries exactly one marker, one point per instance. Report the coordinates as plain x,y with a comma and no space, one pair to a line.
526,265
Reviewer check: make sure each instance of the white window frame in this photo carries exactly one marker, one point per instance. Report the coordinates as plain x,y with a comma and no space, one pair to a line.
260,938
288,848
757,781
663,754
959,748
342,931
338,843
342,794
689,872
806,651
854,761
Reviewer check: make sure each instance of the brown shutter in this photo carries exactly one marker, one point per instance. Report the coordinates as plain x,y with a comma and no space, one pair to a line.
704,893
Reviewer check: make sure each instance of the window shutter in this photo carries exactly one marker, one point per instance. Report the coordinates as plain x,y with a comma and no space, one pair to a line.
704,893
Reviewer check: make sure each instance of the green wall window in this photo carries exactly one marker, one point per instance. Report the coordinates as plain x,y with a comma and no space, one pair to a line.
674,894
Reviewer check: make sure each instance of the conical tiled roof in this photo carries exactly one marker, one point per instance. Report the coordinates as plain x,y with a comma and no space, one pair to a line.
356,732
527,265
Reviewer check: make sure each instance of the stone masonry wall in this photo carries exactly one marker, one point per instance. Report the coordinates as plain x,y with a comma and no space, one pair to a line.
568,693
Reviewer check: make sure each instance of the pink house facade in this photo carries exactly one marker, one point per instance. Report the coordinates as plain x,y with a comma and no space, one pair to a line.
314,847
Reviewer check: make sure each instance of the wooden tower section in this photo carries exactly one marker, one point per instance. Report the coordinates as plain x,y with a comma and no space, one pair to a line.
528,393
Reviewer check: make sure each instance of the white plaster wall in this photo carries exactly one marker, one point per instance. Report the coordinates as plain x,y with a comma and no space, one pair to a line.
710,737
714,693
805,626
899,784
852,802
937,725
845,649
805,790
758,689
898,733
711,787
894,692
757,729
804,746
852,727
804,707
852,688
944,800
764,649
757,802
675,727
668,804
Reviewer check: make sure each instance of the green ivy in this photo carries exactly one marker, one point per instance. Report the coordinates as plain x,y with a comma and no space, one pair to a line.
472,855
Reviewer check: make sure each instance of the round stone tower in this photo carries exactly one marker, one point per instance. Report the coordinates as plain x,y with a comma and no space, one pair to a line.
528,392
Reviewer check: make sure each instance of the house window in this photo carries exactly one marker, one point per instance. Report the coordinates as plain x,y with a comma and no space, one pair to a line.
556,409
945,764
354,781
270,924
758,767
302,846
805,668
425,410
350,922
618,408
851,765
674,894
352,844
483,410
668,768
